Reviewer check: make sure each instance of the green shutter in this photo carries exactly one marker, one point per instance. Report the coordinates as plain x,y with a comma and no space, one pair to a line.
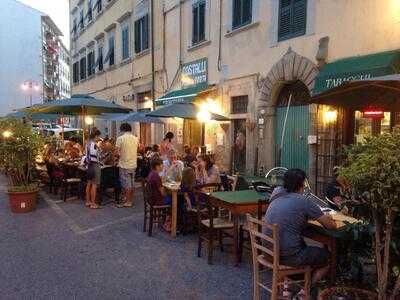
137,36
145,33
292,18
299,17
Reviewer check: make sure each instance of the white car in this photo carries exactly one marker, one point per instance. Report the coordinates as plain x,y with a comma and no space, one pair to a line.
68,132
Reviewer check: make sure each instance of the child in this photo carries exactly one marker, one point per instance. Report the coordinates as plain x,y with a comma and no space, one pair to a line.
187,187
155,183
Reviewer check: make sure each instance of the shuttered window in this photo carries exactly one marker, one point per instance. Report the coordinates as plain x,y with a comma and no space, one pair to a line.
198,25
82,68
242,13
142,34
125,42
99,62
111,55
292,18
90,63
75,72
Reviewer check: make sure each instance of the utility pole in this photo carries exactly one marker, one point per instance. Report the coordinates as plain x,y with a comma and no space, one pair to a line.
152,53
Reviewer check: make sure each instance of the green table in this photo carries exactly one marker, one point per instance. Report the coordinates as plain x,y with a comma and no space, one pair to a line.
238,203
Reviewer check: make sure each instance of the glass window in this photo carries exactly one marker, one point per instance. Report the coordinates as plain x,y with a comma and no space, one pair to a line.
89,12
125,42
239,104
99,62
242,13
82,68
90,63
366,127
142,34
75,72
198,25
81,20
99,5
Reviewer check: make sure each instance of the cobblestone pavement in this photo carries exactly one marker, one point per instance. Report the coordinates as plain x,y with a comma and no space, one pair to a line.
65,251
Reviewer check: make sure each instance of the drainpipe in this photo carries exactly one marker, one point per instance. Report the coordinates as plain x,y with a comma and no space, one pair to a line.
219,60
152,53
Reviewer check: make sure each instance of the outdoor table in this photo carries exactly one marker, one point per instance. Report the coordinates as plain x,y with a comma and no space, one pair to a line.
174,188
238,203
328,237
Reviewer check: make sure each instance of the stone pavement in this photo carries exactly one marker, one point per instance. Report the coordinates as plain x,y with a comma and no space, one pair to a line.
65,251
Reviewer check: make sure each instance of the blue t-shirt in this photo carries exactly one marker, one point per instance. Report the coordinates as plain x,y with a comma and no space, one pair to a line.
291,212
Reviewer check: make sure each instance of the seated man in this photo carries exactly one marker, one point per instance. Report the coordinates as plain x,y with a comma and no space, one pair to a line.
291,211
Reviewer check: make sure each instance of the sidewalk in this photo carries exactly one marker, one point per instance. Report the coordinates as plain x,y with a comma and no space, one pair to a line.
65,251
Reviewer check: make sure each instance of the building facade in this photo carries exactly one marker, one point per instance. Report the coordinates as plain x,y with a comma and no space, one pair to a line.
254,58
64,86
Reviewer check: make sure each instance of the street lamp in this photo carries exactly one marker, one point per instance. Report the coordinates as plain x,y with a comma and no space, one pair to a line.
30,85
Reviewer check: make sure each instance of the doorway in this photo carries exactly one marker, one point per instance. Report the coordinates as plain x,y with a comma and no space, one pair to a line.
292,106
191,132
239,147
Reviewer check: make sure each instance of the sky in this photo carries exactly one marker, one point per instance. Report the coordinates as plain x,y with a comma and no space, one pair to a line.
58,10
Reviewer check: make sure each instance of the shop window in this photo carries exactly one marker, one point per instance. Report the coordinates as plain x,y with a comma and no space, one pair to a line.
82,68
75,72
142,34
242,13
198,23
292,19
366,127
125,42
90,63
239,104
143,97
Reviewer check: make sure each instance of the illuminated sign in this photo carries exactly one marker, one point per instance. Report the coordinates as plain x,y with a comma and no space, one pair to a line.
373,113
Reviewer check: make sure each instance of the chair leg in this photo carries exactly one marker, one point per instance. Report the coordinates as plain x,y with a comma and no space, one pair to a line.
307,285
151,222
274,288
64,194
256,280
210,247
199,246
221,246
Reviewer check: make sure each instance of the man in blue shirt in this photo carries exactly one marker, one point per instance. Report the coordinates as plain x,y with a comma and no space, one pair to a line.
291,211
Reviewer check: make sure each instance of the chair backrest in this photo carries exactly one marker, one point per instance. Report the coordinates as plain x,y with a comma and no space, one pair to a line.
264,243
209,187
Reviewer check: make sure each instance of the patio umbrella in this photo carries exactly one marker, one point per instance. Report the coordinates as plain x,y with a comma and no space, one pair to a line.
34,116
381,92
184,111
139,117
78,105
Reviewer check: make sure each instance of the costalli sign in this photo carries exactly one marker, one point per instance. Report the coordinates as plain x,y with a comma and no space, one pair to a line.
194,73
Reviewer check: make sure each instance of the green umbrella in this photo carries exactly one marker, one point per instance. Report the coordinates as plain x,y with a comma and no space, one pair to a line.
77,105
183,110
33,116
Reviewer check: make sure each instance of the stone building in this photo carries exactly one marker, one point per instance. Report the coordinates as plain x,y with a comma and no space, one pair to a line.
248,59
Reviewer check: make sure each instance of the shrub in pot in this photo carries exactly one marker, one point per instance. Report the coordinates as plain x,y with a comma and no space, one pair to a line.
373,172
19,147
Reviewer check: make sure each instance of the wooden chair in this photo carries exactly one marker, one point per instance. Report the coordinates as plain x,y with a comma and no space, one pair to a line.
155,214
71,182
265,251
211,226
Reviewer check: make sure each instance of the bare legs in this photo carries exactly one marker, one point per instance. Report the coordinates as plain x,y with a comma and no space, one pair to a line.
91,193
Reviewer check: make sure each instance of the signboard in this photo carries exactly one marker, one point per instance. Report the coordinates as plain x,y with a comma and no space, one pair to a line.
194,73
372,113
336,81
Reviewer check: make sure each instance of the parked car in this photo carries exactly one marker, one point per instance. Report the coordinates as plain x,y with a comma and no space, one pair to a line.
68,132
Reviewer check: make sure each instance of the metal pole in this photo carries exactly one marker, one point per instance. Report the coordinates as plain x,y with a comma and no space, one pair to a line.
283,132
152,52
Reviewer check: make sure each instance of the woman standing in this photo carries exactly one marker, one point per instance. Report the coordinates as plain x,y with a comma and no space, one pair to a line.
93,170
166,145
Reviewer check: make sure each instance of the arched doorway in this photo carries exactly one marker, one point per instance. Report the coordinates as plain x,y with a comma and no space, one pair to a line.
292,126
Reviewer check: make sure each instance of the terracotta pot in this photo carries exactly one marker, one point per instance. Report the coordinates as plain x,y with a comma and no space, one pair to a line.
354,293
22,202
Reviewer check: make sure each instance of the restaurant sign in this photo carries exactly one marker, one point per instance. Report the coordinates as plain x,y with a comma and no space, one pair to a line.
194,73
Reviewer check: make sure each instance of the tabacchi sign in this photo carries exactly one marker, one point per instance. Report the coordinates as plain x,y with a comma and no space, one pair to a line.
195,72
334,82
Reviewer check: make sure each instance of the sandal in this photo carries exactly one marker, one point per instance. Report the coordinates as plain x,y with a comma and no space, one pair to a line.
95,206
87,204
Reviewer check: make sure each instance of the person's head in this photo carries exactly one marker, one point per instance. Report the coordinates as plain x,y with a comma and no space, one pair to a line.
293,181
156,165
94,133
147,149
125,127
171,155
195,150
186,149
169,136
156,148
188,178
205,160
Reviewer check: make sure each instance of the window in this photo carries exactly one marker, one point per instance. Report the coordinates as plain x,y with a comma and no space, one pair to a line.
82,68
142,34
292,19
143,96
75,72
99,6
242,13
110,53
99,62
74,26
198,25
239,104
125,42
89,11
81,20
90,63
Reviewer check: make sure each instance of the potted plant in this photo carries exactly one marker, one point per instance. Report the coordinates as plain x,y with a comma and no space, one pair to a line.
19,148
373,171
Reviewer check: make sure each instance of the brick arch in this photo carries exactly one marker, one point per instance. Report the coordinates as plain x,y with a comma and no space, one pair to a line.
290,67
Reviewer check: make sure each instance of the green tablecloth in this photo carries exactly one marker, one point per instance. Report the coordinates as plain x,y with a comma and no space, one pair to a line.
240,197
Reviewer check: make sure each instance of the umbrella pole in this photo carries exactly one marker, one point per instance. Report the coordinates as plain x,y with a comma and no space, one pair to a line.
283,132
62,126
203,138
83,125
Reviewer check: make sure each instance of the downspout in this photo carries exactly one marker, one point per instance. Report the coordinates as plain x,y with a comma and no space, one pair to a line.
152,54
220,37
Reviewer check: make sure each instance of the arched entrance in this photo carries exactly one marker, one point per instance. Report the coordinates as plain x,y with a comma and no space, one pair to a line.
283,77
292,126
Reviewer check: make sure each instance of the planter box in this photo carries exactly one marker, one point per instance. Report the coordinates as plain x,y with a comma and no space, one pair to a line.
22,202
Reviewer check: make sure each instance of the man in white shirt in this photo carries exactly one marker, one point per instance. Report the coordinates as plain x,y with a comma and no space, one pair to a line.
127,146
